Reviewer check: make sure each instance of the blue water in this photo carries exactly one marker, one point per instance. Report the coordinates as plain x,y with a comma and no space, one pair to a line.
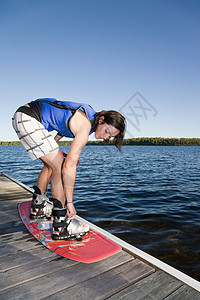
147,196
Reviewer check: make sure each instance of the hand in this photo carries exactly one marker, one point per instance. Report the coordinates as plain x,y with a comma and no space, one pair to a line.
71,211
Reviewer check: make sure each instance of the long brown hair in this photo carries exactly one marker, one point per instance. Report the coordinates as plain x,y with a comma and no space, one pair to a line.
114,118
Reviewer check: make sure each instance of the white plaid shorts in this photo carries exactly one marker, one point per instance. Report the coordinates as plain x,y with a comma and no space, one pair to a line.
34,137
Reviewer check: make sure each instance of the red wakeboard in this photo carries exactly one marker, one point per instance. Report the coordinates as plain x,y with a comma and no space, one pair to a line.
93,247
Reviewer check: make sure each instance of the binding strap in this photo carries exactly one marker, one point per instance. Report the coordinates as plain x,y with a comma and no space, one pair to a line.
59,212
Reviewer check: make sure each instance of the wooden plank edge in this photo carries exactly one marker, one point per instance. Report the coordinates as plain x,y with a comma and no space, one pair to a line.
186,279
18,182
135,251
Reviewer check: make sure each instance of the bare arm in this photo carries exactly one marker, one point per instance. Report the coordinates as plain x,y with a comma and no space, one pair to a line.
81,131
69,168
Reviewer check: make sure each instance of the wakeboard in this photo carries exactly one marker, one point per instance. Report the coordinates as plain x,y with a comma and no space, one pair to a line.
93,247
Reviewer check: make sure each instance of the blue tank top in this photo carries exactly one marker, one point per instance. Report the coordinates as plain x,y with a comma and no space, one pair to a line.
56,115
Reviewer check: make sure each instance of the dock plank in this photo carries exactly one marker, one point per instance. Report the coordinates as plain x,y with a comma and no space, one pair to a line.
24,257
8,205
54,282
8,216
184,292
26,242
16,236
11,191
103,285
41,268
31,271
14,195
11,194
11,227
156,286
9,212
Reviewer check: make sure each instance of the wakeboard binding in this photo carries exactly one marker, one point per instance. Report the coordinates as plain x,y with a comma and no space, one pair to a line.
64,229
41,206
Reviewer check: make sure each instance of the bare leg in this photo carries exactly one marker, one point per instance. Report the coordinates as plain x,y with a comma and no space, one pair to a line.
54,161
44,178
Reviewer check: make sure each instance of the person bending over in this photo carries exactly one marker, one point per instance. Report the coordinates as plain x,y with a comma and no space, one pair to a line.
33,123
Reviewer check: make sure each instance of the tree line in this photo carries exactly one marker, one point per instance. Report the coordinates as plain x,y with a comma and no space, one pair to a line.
158,141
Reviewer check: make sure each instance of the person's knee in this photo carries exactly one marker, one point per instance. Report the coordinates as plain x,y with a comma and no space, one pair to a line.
54,165
57,168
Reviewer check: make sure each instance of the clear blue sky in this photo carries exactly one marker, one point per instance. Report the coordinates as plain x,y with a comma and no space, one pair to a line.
102,52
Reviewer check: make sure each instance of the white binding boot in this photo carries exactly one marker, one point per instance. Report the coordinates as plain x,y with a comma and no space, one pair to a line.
41,206
64,229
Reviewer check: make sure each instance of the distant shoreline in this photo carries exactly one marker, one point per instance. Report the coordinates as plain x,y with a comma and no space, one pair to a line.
129,142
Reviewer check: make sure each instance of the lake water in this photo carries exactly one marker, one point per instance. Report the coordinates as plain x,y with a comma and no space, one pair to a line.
147,196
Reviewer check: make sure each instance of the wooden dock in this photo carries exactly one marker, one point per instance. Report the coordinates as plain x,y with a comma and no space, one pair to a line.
31,271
